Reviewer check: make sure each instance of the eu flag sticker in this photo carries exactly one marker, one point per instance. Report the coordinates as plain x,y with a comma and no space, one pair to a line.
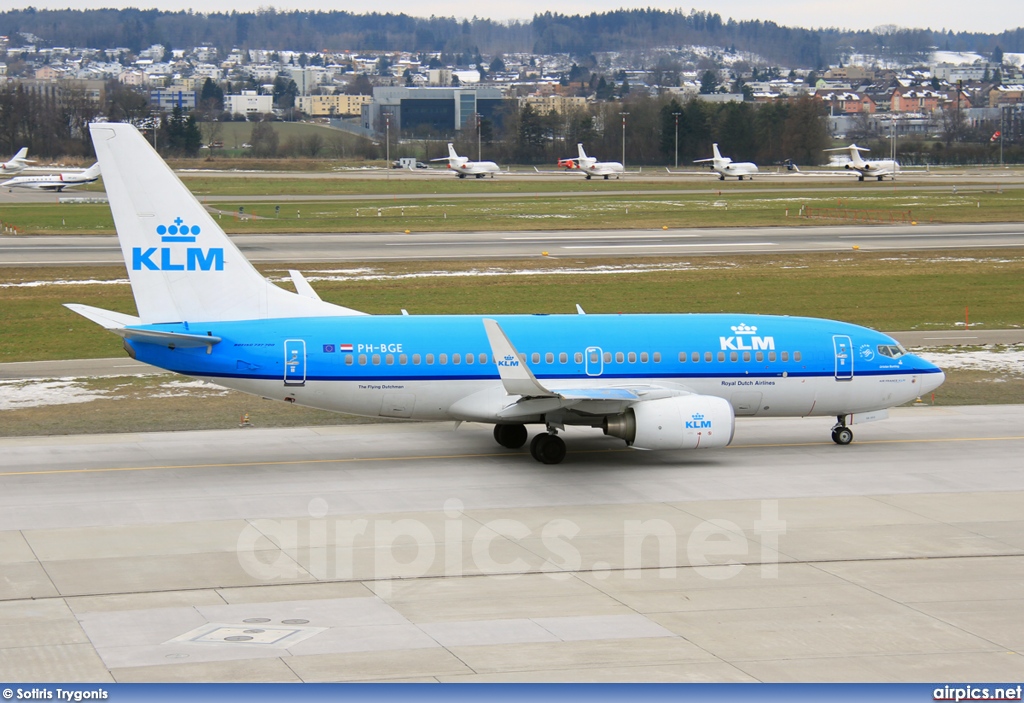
328,349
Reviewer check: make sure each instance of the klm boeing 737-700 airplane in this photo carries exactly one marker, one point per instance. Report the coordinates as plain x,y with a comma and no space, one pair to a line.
654,381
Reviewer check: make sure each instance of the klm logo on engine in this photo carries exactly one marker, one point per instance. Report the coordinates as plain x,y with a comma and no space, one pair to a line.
178,258
697,422
509,360
745,339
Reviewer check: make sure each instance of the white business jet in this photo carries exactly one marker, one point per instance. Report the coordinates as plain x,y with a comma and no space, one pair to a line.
18,162
56,182
724,166
879,169
464,167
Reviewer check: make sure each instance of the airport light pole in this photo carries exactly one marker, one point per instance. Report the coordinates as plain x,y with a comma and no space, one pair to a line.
387,143
623,138
479,142
676,115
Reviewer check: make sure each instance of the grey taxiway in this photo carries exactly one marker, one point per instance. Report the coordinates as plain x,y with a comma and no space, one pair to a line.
418,553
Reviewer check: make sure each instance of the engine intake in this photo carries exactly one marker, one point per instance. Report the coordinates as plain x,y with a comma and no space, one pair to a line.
683,422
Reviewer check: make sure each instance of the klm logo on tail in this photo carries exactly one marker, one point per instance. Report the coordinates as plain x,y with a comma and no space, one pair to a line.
172,258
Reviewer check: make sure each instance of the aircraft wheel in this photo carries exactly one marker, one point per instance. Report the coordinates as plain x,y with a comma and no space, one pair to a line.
606,178
480,175
588,176
721,178
547,448
842,435
741,178
462,175
860,178
510,436
879,179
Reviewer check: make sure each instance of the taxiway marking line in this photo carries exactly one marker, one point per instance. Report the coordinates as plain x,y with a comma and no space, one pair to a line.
341,460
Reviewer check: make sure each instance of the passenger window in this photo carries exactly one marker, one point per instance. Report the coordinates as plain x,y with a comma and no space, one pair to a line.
707,357
657,357
733,356
376,359
389,359
771,356
644,357
746,356
594,357
348,360
607,357
469,358
430,359
456,359
682,357
796,356
362,359
535,358
578,356
721,356
632,357
619,357
549,358
785,356
695,357
483,358
760,356
563,358
442,359
415,359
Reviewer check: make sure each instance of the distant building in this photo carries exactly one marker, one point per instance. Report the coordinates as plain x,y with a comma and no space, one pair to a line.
169,98
249,102
443,110
850,73
846,103
1003,95
559,104
332,105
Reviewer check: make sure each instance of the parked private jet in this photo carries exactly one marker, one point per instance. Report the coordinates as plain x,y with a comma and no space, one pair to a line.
667,382
591,166
879,169
724,166
464,167
18,162
57,181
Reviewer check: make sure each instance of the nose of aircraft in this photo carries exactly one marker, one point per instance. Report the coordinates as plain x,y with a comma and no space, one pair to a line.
932,378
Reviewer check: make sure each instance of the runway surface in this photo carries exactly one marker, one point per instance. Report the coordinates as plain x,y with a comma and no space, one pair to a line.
414,552
321,248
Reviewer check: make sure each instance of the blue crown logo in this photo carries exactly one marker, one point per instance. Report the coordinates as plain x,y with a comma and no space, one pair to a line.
743,328
178,232
697,416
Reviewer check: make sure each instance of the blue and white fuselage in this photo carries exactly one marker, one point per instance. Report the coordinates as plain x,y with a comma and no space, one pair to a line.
762,365
655,381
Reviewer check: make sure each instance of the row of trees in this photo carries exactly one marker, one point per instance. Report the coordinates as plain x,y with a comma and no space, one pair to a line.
621,30
769,133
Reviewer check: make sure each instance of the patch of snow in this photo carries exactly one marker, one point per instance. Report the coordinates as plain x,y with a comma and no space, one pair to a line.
1004,360
34,394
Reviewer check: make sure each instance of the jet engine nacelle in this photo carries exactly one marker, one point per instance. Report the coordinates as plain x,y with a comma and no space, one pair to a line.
682,422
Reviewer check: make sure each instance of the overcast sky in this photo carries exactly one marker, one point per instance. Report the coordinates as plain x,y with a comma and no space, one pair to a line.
958,15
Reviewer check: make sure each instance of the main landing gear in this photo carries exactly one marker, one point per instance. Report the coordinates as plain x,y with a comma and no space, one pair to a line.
841,434
547,447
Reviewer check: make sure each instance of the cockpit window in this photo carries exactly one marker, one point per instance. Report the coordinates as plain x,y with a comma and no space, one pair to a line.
893,351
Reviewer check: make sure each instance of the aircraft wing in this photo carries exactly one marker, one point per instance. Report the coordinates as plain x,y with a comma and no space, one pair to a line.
535,398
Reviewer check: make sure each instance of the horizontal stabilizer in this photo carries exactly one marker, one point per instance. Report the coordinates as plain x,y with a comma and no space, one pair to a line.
107,319
302,286
170,339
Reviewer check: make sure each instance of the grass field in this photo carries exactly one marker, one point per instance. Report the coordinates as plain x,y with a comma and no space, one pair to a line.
731,208
932,292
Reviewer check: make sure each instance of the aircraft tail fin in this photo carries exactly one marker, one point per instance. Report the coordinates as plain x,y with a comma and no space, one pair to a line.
181,265
93,171
21,155
451,151
583,154
718,154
